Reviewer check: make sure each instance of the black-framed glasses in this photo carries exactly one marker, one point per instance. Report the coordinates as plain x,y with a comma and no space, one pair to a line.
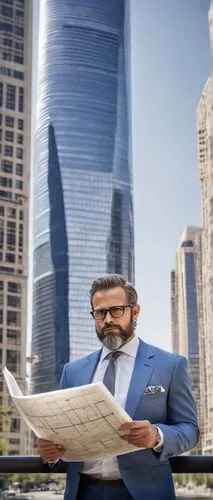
114,311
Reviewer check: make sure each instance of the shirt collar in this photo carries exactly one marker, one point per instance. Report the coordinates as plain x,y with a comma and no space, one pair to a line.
130,348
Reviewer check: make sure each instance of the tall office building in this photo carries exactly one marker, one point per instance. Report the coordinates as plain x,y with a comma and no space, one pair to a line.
185,304
174,306
83,209
15,109
205,157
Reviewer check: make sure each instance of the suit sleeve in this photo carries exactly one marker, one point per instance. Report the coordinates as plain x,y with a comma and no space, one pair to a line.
181,431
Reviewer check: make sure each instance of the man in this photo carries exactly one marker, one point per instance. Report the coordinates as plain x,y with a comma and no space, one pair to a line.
154,388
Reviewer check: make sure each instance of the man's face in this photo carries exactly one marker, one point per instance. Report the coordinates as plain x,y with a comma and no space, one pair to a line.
114,332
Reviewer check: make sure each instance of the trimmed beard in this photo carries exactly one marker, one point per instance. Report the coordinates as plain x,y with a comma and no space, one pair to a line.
114,341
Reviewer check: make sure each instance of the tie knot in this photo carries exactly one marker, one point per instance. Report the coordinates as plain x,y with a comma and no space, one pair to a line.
113,355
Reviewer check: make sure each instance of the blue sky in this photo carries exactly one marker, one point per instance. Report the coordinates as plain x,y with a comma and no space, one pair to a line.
170,65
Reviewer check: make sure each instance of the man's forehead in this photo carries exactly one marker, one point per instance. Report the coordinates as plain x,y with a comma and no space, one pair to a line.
115,295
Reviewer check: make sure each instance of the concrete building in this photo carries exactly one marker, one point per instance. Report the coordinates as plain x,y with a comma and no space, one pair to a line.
205,158
185,311
15,128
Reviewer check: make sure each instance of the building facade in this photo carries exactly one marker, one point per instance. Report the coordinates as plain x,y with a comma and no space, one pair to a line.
185,306
205,158
83,208
15,113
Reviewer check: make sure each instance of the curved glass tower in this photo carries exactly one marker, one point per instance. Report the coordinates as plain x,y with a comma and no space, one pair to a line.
83,211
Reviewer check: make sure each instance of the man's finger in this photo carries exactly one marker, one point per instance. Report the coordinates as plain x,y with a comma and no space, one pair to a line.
133,425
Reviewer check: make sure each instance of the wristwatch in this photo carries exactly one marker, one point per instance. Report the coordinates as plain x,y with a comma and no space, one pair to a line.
159,439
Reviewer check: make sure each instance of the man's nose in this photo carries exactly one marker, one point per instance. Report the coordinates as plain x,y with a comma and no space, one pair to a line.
108,318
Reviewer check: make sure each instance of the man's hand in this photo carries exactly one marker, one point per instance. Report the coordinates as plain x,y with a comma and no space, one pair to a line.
49,451
141,433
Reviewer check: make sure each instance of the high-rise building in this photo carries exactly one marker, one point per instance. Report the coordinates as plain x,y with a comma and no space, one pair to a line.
15,112
83,209
175,338
185,305
205,157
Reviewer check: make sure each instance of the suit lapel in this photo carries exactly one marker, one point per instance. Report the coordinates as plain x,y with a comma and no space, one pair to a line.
88,368
143,369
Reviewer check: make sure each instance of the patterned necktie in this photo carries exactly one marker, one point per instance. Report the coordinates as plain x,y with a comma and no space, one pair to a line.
109,376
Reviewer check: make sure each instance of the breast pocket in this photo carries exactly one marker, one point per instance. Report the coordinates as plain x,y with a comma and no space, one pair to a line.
152,407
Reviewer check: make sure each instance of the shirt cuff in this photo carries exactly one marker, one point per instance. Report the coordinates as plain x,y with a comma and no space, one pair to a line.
159,446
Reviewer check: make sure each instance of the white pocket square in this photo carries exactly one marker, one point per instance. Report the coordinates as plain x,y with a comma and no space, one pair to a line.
154,389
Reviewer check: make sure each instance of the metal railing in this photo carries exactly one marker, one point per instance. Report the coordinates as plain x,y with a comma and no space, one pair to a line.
34,464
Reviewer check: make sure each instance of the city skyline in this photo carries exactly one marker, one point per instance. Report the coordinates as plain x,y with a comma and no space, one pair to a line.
159,50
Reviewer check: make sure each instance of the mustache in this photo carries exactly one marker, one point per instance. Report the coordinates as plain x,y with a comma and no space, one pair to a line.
111,327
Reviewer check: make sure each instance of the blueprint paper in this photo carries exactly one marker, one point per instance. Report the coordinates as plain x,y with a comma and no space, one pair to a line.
85,419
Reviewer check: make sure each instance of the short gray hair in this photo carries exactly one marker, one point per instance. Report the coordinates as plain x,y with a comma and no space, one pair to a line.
112,281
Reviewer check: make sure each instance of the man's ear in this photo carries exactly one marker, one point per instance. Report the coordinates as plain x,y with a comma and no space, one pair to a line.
136,311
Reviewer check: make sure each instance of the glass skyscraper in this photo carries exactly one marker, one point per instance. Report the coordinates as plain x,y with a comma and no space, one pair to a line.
83,210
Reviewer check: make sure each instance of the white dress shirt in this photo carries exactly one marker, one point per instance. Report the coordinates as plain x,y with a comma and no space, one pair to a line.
124,365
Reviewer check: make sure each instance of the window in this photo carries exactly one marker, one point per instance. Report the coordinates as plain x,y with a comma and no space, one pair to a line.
19,169
5,71
13,337
1,233
21,215
11,97
1,316
5,194
6,56
20,124
1,299
19,153
9,136
14,301
9,121
1,215
0,119
13,318
19,184
8,150
15,425
5,182
18,59
11,212
10,257
14,287
7,42
19,31
11,235
19,46
1,93
21,100
20,138
6,27
18,74
7,11
1,285
7,166
19,14
20,3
